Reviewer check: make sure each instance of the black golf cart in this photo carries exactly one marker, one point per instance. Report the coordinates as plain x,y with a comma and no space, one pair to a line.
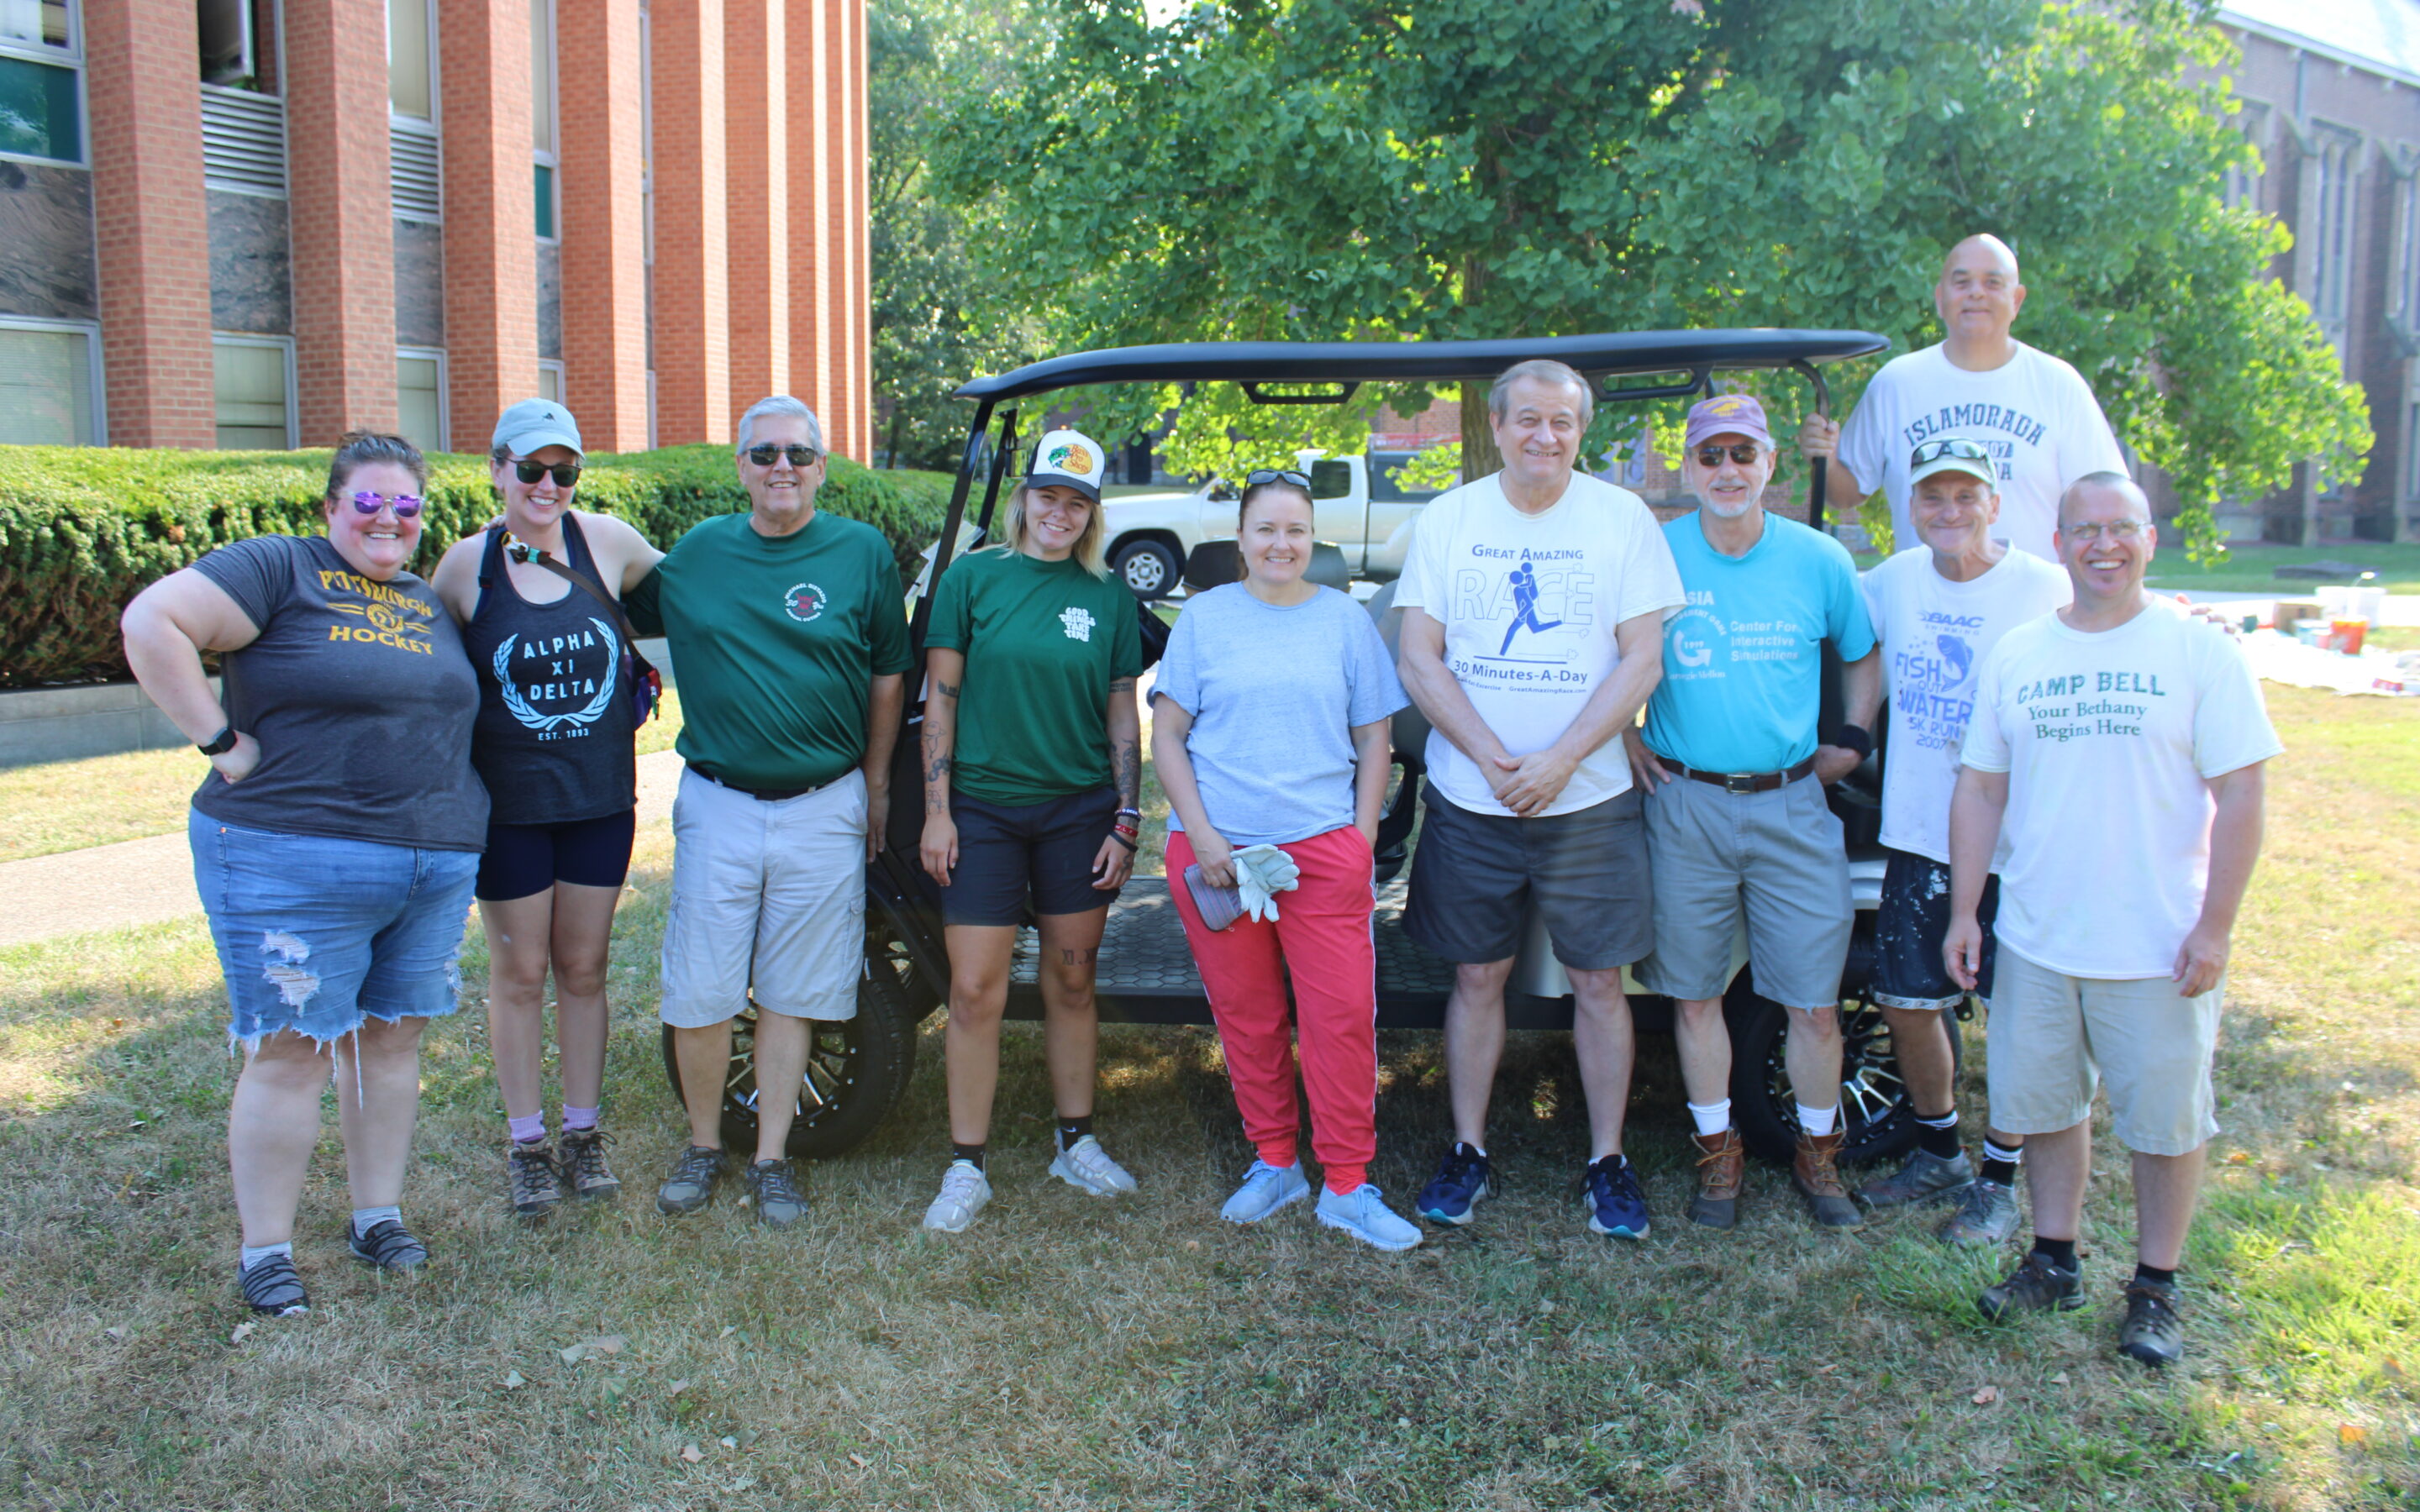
859,1070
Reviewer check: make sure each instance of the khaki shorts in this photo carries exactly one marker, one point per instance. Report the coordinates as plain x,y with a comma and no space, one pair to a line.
1773,859
2052,1039
769,902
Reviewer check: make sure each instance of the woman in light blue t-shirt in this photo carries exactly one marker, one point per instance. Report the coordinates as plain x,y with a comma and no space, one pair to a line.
1270,718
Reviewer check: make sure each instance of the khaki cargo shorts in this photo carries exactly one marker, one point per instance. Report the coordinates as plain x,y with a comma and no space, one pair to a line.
2053,1039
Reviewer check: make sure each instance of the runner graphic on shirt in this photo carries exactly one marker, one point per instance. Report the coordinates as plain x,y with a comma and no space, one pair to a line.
1525,599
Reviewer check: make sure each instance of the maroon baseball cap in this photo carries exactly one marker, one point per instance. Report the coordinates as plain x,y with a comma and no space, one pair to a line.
1727,414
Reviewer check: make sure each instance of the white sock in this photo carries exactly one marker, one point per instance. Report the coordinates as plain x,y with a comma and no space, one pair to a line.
252,1255
365,1219
1816,1121
1712,1117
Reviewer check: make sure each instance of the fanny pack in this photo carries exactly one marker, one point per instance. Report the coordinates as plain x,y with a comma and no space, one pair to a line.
645,684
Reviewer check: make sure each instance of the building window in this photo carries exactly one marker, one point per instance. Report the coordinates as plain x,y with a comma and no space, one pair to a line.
2404,298
2336,165
2411,457
2243,184
543,130
41,81
225,32
415,177
550,381
420,397
50,382
256,393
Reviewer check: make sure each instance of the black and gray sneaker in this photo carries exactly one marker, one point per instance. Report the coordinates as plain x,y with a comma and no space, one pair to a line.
390,1246
693,1181
773,1187
581,1157
1925,1178
531,1169
1986,1216
273,1288
2154,1332
2038,1285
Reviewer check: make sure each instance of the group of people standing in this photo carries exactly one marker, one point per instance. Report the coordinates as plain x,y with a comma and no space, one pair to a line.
2034,686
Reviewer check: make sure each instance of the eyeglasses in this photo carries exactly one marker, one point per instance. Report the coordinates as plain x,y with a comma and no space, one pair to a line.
769,454
1746,454
566,475
2116,530
1262,475
406,506
1966,451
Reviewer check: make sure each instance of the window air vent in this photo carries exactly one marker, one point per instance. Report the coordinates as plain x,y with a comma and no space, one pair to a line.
243,142
419,193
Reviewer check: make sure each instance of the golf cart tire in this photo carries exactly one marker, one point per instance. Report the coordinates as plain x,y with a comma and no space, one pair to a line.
861,1065
1880,1123
1134,562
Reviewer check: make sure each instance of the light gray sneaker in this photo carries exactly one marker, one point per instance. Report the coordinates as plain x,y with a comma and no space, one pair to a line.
1925,1178
1986,1217
1365,1215
1266,1188
964,1191
1087,1168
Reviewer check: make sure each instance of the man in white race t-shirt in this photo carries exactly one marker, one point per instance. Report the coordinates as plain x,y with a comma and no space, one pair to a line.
2035,412
2119,747
1938,609
1533,608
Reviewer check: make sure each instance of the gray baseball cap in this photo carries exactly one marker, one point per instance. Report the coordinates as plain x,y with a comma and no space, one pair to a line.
534,424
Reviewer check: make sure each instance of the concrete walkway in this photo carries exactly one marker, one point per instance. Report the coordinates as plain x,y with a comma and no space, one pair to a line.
151,881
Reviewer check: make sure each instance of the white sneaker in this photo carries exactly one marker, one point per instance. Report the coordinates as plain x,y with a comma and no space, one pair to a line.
1367,1218
1087,1168
965,1189
1266,1188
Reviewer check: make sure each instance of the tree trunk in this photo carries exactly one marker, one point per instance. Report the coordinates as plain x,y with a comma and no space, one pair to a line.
1478,454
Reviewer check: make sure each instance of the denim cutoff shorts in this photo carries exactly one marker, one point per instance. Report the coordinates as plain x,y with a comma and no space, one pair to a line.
316,935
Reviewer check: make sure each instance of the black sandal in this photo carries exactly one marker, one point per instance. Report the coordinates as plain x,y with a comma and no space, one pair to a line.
273,1288
390,1246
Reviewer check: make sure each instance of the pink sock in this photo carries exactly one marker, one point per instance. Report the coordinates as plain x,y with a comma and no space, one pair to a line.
579,1118
527,1131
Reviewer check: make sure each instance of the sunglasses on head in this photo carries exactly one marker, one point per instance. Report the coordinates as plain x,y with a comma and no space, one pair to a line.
1743,452
566,475
1254,479
769,454
406,506
1966,451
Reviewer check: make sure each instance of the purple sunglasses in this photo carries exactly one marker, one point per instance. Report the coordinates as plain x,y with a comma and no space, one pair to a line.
406,506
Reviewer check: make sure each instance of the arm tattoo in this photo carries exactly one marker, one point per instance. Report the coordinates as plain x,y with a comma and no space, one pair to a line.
948,690
1128,762
936,771
1122,684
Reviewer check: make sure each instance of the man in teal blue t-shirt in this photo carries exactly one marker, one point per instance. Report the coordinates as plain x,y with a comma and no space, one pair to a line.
1734,825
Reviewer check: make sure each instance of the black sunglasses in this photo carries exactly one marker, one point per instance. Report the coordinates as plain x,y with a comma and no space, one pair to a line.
566,475
1966,451
1259,476
769,454
1744,453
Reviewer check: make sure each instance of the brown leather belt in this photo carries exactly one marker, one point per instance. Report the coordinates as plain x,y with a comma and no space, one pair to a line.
1751,781
760,794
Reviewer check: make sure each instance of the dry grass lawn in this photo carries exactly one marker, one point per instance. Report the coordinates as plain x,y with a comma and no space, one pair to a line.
1071,1352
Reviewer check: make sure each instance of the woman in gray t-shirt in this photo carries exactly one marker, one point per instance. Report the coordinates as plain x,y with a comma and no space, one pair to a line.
334,840
1270,725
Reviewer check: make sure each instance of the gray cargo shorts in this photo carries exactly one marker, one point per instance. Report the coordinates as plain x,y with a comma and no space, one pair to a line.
1775,858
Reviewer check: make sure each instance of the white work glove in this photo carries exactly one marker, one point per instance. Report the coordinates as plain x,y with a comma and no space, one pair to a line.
1262,871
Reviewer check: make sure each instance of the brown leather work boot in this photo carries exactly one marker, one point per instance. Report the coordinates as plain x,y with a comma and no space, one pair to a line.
1827,1201
1722,1170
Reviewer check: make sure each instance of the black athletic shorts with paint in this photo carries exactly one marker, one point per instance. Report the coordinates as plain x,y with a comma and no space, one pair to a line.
1908,932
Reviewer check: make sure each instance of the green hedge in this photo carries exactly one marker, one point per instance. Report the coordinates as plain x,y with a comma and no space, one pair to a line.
82,529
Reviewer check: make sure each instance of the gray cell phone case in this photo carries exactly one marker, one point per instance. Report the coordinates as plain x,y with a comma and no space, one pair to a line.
1220,906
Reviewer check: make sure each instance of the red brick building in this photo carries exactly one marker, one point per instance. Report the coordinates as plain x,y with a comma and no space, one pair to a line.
262,222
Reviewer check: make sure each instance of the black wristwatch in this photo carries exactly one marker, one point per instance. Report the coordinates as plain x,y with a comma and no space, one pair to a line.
1857,738
222,741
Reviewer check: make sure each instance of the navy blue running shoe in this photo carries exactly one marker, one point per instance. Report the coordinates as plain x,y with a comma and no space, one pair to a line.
1617,1208
1462,1178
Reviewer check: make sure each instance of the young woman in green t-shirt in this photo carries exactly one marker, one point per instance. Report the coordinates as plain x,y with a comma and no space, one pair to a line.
1032,754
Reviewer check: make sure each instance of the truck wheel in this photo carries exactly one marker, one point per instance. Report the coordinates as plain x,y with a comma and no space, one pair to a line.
1873,1096
856,1073
1149,568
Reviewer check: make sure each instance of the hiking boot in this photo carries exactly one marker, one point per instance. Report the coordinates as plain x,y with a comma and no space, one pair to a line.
693,1181
965,1190
1363,1214
1266,1188
1087,1168
390,1246
530,1169
1818,1181
2154,1332
1925,1178
2038,1285
1722,1171
580,1155
1986,1216
1615,1208
773,1187
273,1288
1463,1177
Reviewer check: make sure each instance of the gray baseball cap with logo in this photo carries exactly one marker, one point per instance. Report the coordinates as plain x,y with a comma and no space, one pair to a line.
534,424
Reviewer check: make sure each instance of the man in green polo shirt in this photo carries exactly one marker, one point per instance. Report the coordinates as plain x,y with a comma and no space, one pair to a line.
790,639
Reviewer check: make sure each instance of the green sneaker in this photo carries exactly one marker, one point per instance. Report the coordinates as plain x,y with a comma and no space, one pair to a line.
1986,1216
693,1181
773,1187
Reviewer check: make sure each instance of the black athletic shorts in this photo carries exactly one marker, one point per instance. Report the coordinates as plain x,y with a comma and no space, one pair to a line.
1474,874
1008,853
523,859
1908,931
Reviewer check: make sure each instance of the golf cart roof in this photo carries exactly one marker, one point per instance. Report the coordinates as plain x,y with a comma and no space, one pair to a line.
1610,355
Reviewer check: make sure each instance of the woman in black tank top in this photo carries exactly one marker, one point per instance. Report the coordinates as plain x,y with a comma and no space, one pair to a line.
553,744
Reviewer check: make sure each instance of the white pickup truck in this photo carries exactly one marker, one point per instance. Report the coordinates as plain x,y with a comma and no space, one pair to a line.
1369,519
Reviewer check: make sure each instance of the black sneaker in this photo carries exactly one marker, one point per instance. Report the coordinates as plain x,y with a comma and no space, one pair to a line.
1462,1178
273,1288
581,1157
2038,1285
390,1246
693,1181
2152,1331
773,1187
535,1186
1616,1207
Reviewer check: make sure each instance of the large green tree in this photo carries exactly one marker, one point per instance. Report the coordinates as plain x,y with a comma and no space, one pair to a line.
1337,169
